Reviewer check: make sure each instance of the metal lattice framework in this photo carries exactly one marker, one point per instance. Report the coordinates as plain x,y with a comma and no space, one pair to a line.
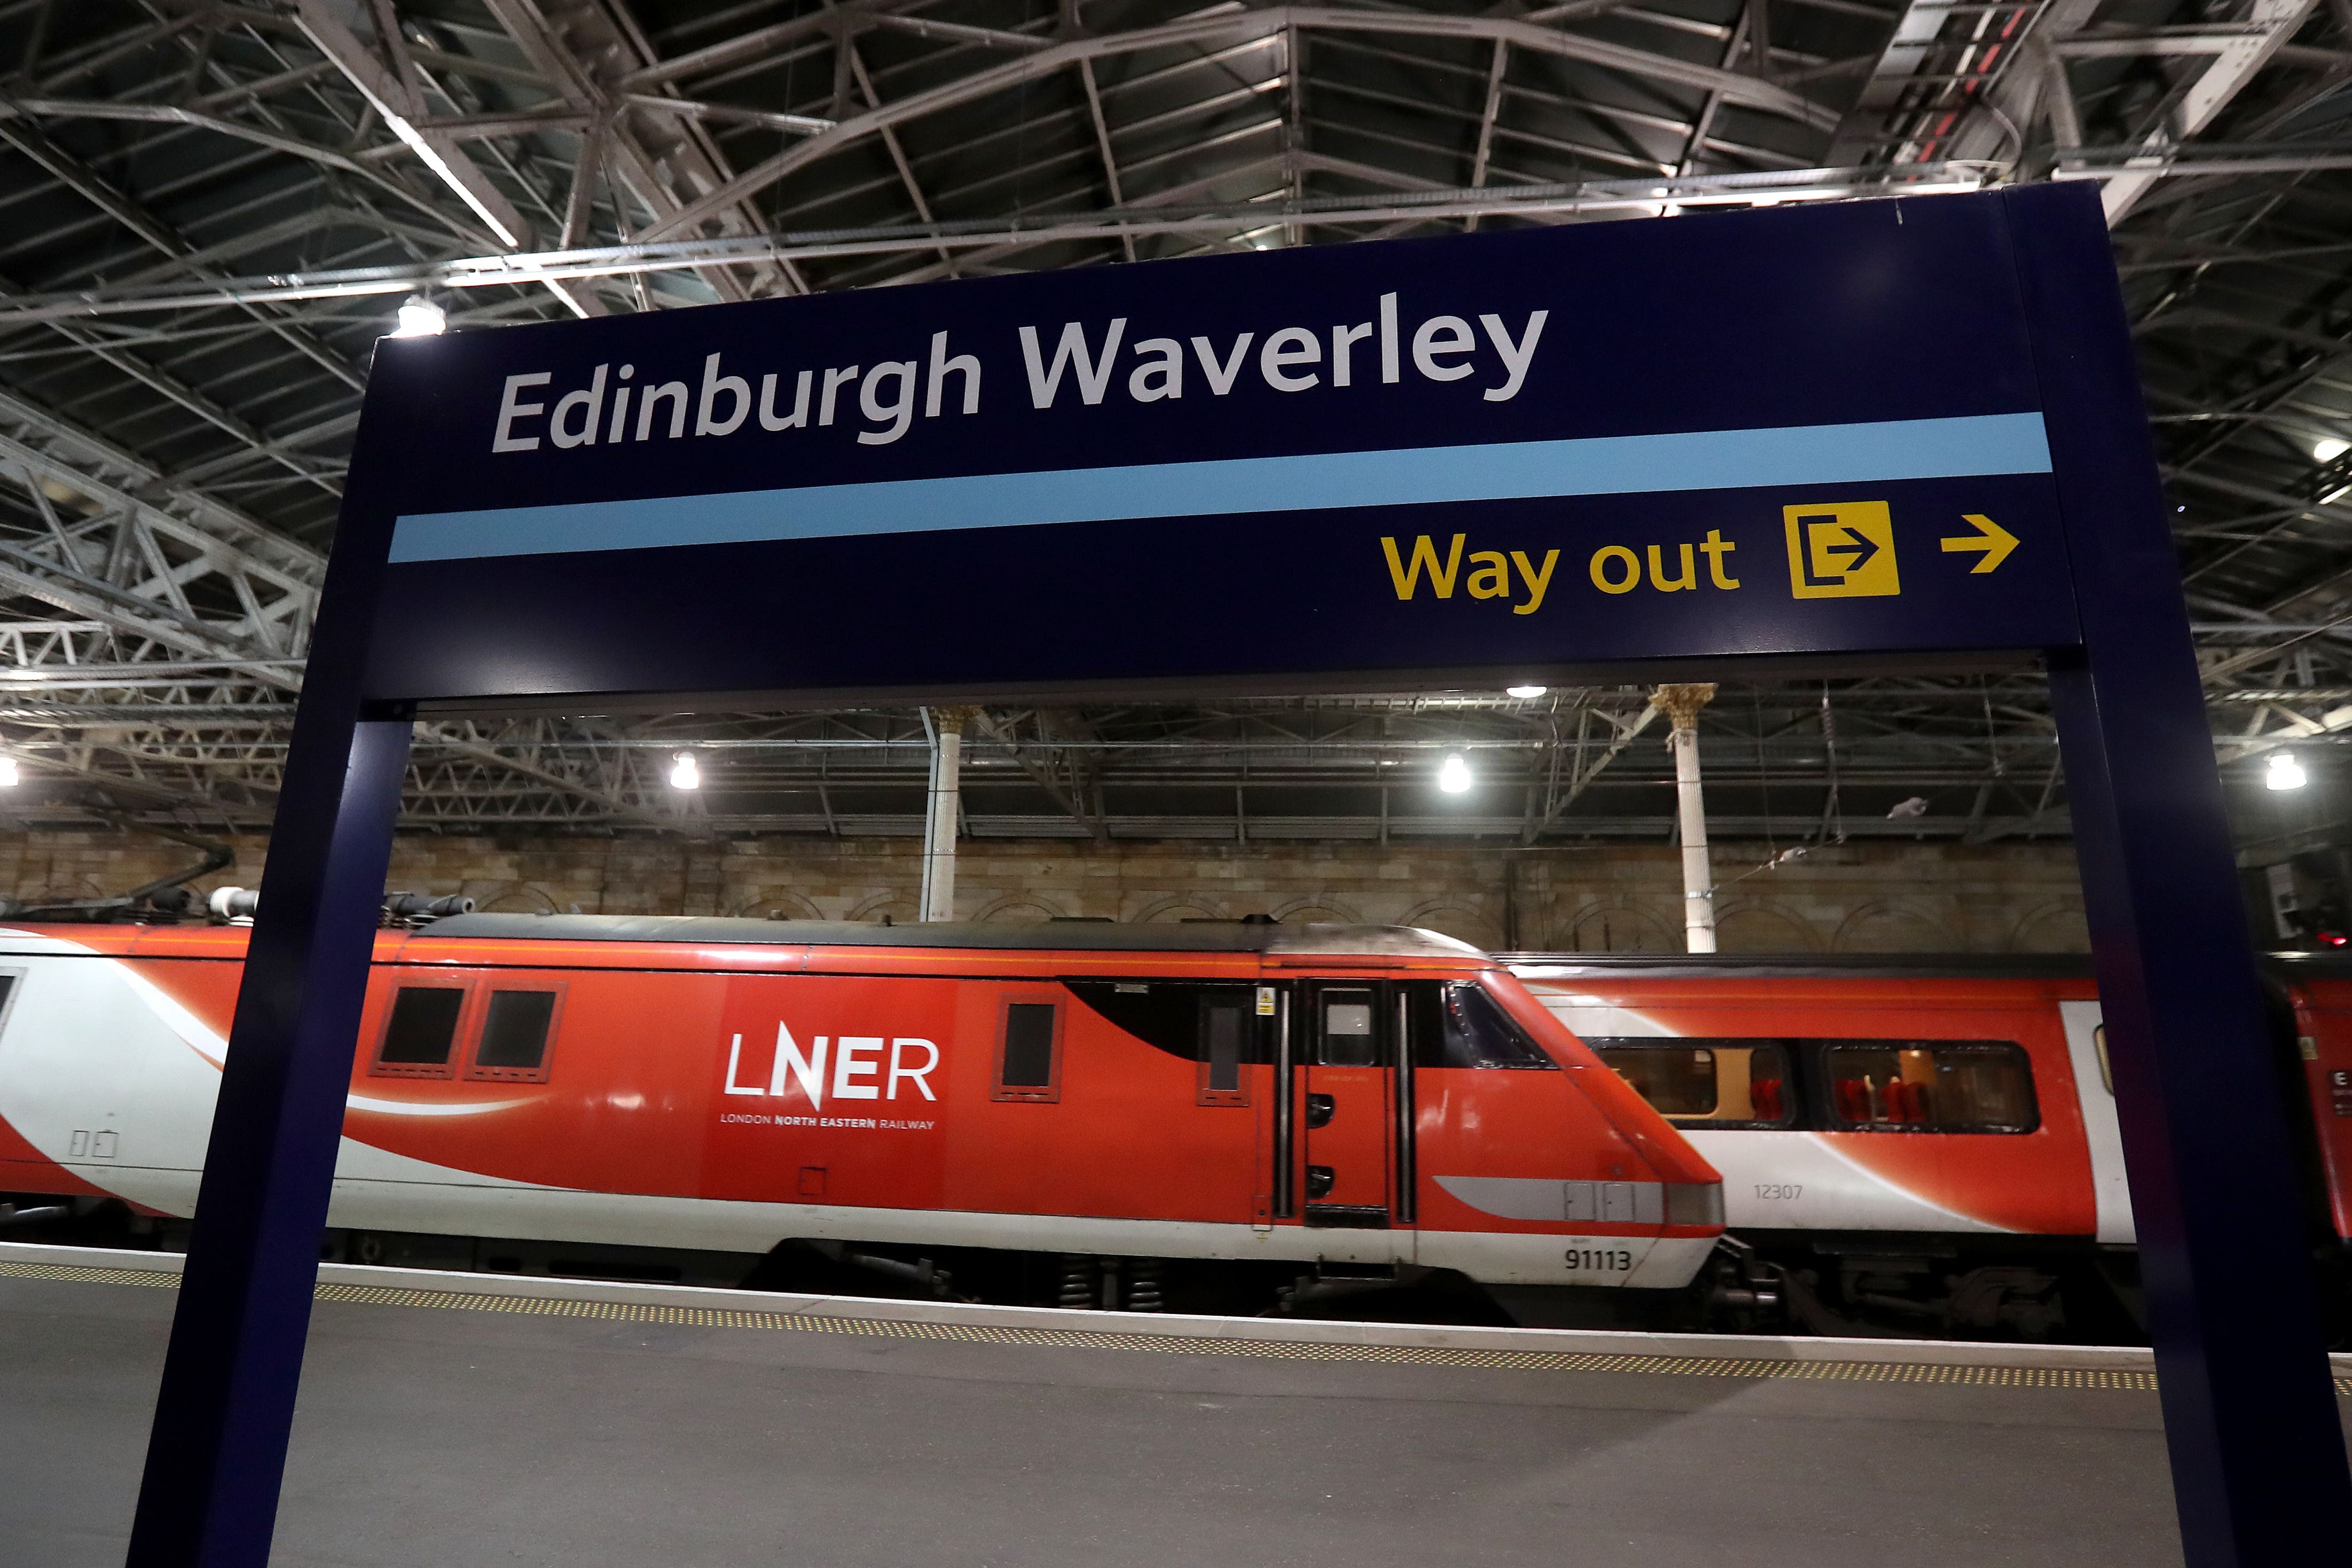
209,209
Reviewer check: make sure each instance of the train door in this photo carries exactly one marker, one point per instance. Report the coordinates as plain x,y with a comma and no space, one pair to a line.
1347,1107
2086,1050
2324,1049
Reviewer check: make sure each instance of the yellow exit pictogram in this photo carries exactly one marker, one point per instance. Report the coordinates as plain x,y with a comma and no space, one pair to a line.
1842,550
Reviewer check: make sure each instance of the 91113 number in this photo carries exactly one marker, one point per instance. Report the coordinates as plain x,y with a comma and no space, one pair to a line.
1613,1259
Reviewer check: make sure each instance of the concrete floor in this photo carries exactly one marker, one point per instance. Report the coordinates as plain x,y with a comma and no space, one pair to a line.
460,1438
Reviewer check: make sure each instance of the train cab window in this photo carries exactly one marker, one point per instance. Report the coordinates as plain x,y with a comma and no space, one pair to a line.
1705,1082
1459,1025
1347,1036
1929,1086
1028,1060
516,1029
421,1033
1224,1044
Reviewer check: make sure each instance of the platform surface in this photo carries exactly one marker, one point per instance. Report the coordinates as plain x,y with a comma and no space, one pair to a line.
481,1424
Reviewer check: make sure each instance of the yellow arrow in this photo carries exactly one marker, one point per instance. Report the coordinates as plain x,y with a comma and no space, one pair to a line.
1995,540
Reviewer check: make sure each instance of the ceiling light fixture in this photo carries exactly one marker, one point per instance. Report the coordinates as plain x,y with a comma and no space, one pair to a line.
686,774
2328,449
2285,772
1454,777
1525,693
9,777
421,318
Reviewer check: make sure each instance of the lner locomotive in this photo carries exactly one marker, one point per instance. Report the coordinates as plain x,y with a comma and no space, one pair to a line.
1224,1115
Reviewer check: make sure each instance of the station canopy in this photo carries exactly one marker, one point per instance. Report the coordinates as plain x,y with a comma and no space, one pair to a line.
213,213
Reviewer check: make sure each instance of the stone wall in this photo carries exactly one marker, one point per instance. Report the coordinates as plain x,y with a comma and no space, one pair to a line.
1879,897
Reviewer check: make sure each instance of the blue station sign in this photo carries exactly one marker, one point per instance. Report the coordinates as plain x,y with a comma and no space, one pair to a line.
1868,432
1773,433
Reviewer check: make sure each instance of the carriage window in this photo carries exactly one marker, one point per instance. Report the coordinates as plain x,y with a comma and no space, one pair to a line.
1223,1042
1929,1086
1026,1063
419,1034
1705,1082
514,1036
1348,1040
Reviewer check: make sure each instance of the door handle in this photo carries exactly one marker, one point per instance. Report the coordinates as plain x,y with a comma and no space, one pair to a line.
1320,1108
1320,1179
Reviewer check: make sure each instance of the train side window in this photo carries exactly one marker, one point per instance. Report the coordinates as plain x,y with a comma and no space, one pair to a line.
1348,1037
517,1029
1707,1082
1477,1033
420,1033
1029,1057
1224,1046
1929,1086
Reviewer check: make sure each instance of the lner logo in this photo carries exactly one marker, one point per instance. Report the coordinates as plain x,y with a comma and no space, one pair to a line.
1842,550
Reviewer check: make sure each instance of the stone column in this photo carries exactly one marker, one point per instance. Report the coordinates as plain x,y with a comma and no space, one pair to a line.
1682,703
946,727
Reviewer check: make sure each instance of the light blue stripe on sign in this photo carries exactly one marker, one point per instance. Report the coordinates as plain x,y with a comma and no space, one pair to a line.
1516,470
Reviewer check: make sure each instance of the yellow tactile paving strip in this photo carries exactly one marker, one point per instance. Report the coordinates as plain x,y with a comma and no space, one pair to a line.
1172,1344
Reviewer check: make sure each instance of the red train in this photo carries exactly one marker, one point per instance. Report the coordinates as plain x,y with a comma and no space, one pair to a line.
1131,1116
1931,1145
1210,1116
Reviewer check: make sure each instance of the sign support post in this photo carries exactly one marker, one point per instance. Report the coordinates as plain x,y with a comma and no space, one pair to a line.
225,1407
2250,1413
226,1404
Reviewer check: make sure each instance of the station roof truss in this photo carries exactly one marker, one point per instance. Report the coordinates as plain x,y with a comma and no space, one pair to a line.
210,210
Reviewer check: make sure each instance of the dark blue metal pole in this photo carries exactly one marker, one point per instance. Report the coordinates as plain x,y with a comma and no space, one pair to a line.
2258,1461
226,1403
225,1406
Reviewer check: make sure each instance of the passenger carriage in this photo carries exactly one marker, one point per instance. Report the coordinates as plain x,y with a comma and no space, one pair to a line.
1932,1142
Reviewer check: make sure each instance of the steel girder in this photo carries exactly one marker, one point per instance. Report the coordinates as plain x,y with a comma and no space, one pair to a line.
239,180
